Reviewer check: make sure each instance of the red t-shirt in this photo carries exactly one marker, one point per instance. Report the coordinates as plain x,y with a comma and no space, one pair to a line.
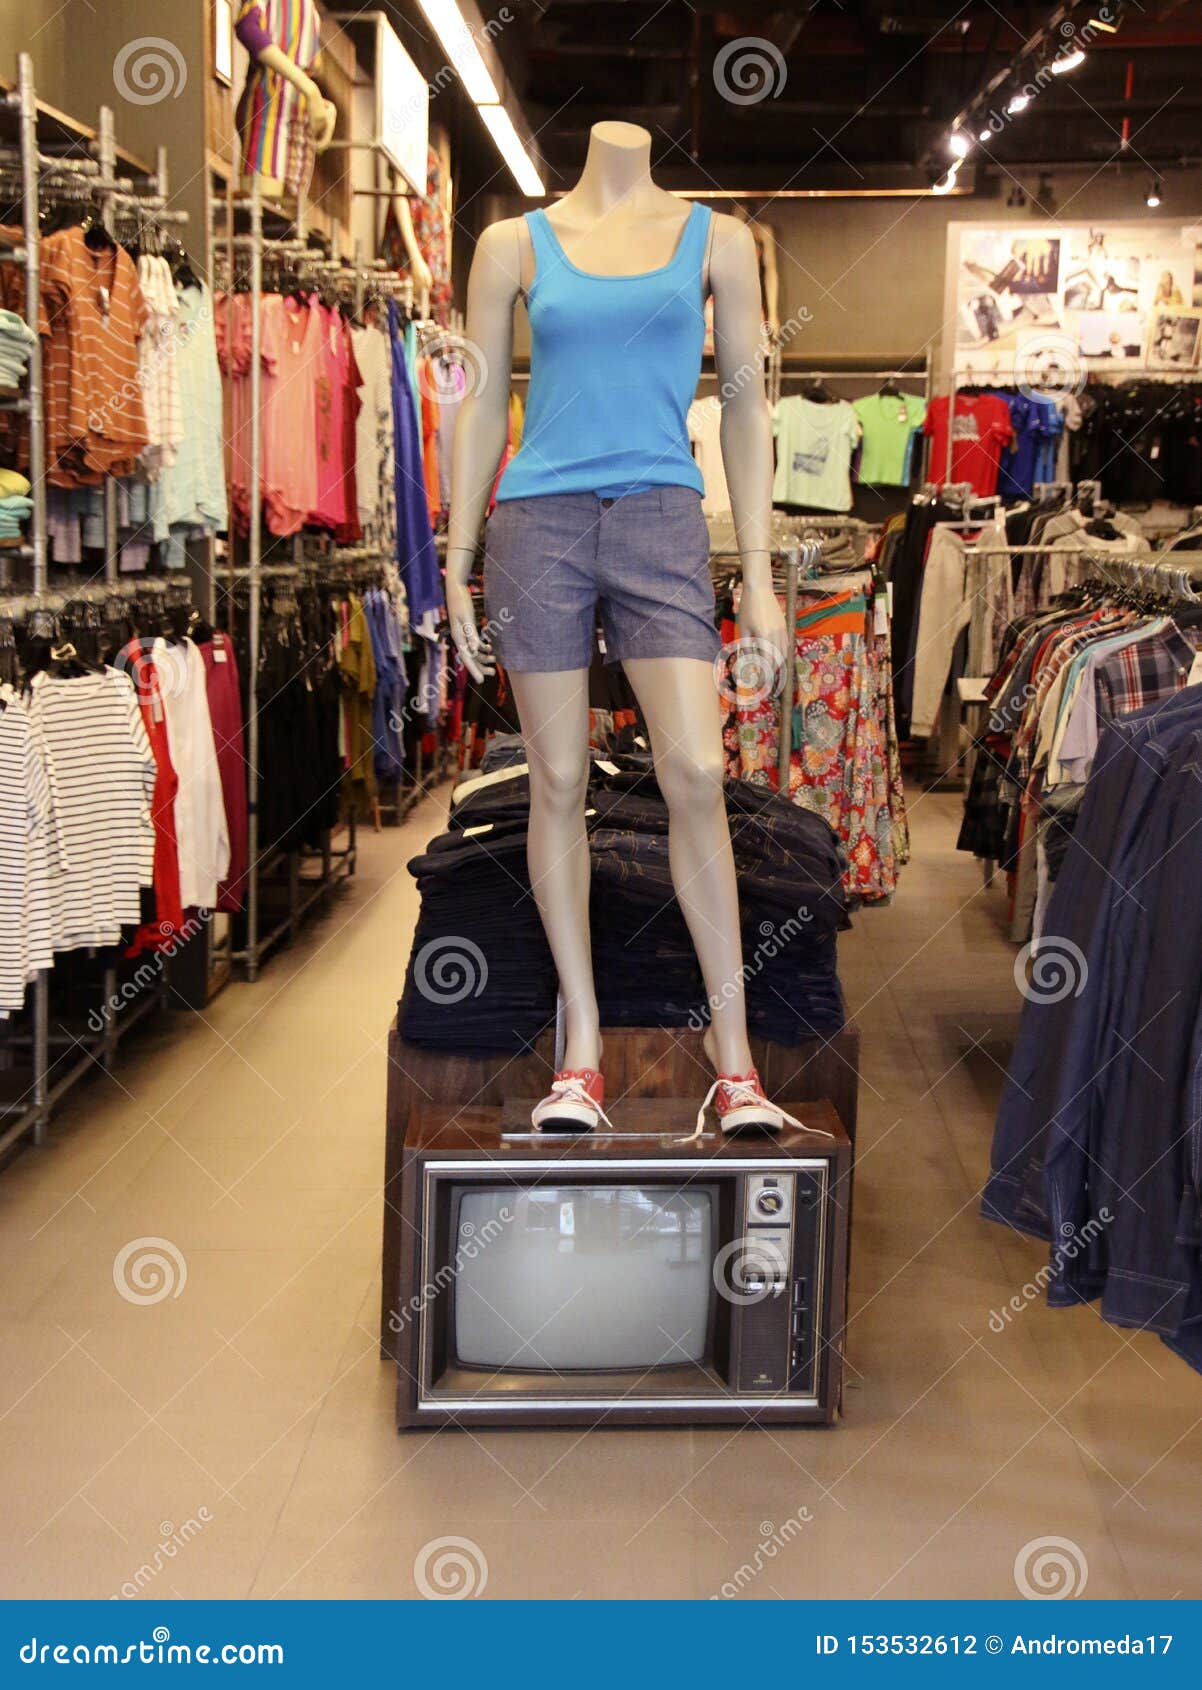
980,428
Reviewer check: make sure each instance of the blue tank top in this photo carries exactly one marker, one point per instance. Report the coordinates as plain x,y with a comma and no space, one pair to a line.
614,362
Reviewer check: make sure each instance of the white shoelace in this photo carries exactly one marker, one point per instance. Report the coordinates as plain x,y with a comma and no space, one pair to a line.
744,1096
573,1091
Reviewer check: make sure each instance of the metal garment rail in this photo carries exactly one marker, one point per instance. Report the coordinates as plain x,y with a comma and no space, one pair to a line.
58,1060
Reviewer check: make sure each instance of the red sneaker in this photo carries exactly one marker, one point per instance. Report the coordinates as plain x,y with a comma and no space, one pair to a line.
739,1102
574,1104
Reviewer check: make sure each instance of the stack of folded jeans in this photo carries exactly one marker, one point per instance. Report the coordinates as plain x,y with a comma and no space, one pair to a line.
481,975
16,338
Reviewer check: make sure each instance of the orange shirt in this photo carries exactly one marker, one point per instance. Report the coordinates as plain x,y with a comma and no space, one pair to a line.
92,315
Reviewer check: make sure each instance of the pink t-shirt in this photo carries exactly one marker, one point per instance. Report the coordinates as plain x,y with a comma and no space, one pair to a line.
330,509
292,351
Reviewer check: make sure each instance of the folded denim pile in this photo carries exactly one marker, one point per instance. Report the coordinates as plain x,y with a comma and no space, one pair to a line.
16,339
15,506
481,976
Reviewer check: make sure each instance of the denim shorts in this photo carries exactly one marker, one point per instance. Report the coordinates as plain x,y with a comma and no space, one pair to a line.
551,559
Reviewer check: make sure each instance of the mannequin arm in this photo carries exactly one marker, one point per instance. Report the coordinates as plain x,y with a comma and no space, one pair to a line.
771,279
322,114
423,281
482,424
746,430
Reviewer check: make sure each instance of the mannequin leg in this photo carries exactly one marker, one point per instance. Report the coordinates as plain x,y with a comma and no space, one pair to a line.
554,715
680,705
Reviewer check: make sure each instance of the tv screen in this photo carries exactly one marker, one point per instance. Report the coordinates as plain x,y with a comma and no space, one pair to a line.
563,1278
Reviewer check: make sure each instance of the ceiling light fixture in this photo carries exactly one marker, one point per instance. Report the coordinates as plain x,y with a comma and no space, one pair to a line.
1064,62
959,145
945,184
461,47
1018,102
1154,194
513,150
986,134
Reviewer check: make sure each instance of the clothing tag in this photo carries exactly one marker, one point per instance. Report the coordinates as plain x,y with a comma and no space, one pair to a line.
219,653
901,414
607,768
1195,674
156,707
471,832
889,596
640,742
880,614
103,299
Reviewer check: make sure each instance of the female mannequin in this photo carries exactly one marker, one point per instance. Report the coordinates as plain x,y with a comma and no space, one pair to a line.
616,237
283,118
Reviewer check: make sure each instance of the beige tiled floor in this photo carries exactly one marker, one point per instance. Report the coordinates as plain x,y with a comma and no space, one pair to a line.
250,1413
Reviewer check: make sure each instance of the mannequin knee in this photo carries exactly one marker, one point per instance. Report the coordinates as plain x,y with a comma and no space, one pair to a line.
559,783
690,781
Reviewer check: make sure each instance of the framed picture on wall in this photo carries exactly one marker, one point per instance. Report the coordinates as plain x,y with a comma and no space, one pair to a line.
1173,340
223,41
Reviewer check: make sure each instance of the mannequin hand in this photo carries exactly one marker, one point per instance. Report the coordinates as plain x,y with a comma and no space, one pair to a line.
472,647
761,617
423,276
323,115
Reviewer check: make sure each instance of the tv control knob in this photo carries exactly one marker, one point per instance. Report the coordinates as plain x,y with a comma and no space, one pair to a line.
770,1202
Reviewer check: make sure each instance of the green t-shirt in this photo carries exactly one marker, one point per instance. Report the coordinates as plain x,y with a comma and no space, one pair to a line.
888,420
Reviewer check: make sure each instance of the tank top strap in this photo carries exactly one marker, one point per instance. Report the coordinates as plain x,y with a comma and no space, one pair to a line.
691,252
542,241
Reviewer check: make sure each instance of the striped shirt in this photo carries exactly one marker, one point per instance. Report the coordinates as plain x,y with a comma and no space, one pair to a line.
24,890
101,775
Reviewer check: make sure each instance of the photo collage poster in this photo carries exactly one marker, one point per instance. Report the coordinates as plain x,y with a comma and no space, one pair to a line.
1121,296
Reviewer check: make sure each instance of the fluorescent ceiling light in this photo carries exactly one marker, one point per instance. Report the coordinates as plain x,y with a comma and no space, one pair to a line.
1064,62
1017,103
512,149
959,144
985,135
460,46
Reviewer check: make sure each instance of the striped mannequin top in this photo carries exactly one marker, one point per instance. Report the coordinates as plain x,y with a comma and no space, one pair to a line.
270,106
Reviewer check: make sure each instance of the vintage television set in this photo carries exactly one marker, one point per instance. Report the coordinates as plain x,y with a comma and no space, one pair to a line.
624,1280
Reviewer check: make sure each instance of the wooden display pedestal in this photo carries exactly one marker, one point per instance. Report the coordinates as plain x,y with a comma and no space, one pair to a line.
640,1062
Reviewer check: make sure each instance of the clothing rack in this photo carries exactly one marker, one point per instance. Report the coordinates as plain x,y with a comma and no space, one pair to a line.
43,175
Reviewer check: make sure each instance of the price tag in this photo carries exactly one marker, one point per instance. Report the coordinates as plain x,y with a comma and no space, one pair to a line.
219,652
880,614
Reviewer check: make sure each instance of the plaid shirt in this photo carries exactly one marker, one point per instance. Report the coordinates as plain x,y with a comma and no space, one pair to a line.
1142,673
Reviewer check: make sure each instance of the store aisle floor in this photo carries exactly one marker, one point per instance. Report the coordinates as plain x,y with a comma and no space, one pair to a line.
236,1438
